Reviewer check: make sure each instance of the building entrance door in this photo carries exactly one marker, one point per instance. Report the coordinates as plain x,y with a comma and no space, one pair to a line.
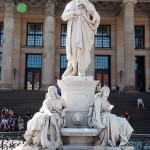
140,73
33,78
33,71
103,76
102,69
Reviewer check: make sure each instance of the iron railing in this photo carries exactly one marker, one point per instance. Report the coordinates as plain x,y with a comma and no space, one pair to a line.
140,141
10,142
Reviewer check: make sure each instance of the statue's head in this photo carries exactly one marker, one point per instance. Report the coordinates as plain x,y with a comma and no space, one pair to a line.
105,91
80,2
52,92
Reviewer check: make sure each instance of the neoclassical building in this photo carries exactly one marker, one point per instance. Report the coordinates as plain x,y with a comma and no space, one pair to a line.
32,44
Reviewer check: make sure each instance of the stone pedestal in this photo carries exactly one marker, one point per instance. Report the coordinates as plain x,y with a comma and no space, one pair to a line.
78,92
79,136
76,147
22,147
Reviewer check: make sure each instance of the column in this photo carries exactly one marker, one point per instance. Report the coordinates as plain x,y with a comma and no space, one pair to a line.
48,68
129,71
17,52
120,52
8,45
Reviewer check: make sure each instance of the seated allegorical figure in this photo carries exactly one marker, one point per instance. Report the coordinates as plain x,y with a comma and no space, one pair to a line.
113,130
43,128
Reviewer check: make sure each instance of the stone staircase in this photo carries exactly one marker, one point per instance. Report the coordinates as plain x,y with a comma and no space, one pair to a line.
22,101
139,117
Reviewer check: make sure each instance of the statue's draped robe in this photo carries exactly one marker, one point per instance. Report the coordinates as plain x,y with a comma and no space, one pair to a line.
80,35
39,128
117,129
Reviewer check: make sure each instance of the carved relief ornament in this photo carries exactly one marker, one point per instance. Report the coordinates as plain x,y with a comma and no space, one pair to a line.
77,119
9,9
49,8
129,2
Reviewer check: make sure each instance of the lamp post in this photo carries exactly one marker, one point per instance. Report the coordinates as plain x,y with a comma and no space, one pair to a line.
14,72
121,74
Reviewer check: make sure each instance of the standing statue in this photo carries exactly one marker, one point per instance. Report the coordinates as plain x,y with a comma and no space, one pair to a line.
43,128
112,129
83,21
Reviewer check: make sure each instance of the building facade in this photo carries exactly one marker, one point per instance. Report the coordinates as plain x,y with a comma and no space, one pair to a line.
32,44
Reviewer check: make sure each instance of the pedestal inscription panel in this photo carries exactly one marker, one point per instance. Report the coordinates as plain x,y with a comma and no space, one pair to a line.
78,92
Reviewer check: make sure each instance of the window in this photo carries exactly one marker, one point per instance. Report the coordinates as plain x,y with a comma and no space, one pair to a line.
63,35
103,69
34,61
101,62
1,32
0,64
35,34
63,64
33,71
139,37
63,61
102,38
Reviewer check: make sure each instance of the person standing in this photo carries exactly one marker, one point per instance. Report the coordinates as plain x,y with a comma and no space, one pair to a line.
114,89
117,89
56,85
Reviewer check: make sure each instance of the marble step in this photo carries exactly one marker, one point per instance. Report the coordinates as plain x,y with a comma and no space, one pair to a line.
75,147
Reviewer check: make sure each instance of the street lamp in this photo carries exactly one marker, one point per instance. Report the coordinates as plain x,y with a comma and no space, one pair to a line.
14,72
121,74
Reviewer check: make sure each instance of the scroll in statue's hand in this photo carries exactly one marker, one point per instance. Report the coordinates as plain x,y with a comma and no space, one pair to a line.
111,107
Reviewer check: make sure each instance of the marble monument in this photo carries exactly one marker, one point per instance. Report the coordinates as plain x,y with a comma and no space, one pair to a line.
77,121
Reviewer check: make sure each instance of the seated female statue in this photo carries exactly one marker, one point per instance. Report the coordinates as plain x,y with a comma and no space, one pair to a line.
113,130
43,128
